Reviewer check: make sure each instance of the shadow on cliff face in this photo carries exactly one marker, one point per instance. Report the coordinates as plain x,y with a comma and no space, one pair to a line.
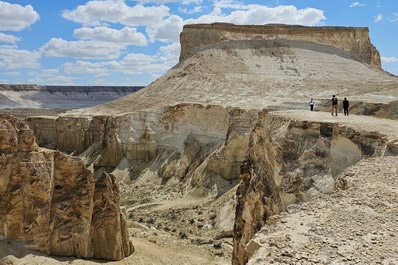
11,251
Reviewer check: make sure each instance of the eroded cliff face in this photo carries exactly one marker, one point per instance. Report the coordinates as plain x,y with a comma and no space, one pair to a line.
290,161
195,38
193,149
52,201
194,156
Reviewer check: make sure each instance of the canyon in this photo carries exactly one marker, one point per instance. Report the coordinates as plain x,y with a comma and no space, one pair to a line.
217,157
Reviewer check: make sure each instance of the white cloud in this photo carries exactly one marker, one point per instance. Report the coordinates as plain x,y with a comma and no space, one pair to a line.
395,17
126,35
196,9
95,13
131,64
259,15
170,54
15,17
389,59
45,72
13,58
9,38
379,18
357,4
167,30
82,49
11,73
54,80
184,2
3,81
170,28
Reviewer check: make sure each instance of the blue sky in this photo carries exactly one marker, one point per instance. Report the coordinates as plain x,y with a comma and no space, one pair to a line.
124,42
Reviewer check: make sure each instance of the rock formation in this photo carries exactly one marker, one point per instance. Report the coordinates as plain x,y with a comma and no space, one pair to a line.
270,66
195,38
52,201
291,160
362,213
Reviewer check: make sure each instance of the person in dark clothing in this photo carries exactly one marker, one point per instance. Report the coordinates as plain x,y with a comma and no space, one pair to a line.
346,105
334,104
312,104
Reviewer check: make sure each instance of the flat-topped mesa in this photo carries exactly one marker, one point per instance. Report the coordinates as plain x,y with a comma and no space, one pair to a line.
356,40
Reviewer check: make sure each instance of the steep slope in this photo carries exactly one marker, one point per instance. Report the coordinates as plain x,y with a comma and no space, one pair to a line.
260,66
296,156
61,97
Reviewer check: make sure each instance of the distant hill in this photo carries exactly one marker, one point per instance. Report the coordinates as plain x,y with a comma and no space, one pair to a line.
60,97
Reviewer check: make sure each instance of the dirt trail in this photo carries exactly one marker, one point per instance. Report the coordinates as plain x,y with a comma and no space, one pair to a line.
359,122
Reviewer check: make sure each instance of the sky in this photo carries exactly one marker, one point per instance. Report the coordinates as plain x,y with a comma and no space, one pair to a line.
132,43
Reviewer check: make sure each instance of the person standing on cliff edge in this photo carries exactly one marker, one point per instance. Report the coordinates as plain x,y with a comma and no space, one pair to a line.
312,104
334,104
346,105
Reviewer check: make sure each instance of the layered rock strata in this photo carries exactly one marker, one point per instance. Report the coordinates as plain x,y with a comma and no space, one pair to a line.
52,201
195,38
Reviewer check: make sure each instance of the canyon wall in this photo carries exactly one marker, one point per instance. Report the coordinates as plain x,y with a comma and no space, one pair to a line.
52,201
291,161
195,38
275,160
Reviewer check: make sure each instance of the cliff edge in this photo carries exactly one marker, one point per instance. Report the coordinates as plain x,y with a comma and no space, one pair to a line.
352,39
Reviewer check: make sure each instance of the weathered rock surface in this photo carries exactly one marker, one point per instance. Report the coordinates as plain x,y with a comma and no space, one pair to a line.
51,200
203,36
294,158
355,225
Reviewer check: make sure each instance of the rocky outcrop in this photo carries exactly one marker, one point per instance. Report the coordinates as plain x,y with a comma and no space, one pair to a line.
289,161
198,37
52,201
269,66
323,231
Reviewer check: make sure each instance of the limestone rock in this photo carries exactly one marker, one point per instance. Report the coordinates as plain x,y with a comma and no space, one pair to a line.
292,160
51,200
197,37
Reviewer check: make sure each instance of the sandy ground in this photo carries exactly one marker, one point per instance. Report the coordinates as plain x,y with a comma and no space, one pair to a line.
152,247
